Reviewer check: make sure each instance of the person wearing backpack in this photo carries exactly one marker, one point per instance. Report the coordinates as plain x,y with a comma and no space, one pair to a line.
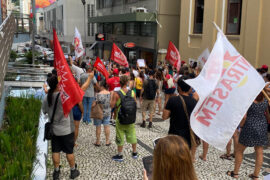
125,115
148,94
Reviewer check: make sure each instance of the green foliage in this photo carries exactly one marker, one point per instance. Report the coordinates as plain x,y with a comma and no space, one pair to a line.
28,56
18,137
13,55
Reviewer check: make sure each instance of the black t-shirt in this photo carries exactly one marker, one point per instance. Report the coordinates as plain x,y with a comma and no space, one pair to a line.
179,124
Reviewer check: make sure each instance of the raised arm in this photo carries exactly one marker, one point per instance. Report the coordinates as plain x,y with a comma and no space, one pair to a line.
87,82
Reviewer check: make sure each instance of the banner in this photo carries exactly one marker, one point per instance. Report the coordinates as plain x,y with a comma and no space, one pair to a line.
173,56
77,43
203,57
101,68
227,86
118,56
70,92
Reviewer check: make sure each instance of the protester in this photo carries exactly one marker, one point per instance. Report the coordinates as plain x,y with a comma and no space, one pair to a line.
124,130
253,134
63,130
139,85
172,160
89,95
169,86
114,82
175,110
234,139
159,78
104,98
132,85
148,94
77,70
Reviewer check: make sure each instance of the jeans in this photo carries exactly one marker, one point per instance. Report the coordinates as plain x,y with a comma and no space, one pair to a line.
87,103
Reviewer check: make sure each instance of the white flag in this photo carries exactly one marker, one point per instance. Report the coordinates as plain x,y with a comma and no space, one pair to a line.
203,57
77,43
227,86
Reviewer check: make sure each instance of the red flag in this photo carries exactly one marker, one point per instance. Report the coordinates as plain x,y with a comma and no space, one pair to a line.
173,56
118,56
101,68
70,92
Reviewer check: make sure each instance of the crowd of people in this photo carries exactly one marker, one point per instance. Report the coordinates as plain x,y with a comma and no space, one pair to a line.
160,91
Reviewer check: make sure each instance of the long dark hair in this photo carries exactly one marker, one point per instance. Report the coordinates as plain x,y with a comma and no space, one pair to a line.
52,81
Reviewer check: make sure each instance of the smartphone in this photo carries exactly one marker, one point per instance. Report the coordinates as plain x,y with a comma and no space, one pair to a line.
148,165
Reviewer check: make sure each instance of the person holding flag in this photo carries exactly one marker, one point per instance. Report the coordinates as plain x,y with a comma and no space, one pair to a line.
63,95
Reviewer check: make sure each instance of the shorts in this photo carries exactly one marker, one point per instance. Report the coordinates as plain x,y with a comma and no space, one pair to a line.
77,114
138,93
104,121
63,143
125,130
169,91
148,104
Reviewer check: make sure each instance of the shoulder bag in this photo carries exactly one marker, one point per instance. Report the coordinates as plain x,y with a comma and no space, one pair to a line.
97,111
195,140
48,132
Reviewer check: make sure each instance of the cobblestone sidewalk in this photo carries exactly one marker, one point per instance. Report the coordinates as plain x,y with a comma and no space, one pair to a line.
95,163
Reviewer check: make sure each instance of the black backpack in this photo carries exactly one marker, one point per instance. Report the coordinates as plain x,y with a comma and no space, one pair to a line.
127,112
150,89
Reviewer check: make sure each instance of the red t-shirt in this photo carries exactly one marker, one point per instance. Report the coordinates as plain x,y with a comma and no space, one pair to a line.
113,82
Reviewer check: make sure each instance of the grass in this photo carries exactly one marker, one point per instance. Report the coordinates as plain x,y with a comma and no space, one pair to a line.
18,137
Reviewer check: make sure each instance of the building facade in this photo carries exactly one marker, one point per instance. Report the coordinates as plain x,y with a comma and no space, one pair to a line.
64,16
139,27
244,22
25,7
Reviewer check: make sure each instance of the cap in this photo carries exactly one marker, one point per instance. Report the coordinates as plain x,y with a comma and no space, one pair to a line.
183,62
264,66
116,71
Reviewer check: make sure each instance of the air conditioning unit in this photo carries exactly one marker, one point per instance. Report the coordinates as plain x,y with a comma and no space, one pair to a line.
141,9
133,9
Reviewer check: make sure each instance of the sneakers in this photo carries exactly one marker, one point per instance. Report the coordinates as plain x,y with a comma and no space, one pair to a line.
135,155
56,174
150,125
74,173
118,158
143,125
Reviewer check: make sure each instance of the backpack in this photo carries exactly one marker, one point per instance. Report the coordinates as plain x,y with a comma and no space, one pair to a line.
150,89
127,112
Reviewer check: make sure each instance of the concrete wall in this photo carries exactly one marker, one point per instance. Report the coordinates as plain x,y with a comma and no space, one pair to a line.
253,41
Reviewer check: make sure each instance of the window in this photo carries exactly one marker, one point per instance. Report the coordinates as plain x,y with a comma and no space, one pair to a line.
92,29
198,17
100,28
131,1
108,28
234,11
117,2
118,28
147,29
132,28
107,3
92,10
88,10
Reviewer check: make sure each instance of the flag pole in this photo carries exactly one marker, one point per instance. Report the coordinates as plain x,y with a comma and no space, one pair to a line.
266,95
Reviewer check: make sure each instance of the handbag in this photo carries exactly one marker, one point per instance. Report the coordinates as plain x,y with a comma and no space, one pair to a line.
48,132
97,111
195,140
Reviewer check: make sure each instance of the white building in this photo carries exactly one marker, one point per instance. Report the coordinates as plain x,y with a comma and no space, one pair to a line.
25,6
64,16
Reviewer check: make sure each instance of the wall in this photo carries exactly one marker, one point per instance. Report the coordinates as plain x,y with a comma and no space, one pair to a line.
8,29
253,41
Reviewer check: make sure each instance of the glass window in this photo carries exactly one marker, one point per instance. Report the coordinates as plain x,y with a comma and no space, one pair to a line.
117,2
147,29
198,17
234,17
118,28
132,28
107,28
131,1
100,28
107,3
